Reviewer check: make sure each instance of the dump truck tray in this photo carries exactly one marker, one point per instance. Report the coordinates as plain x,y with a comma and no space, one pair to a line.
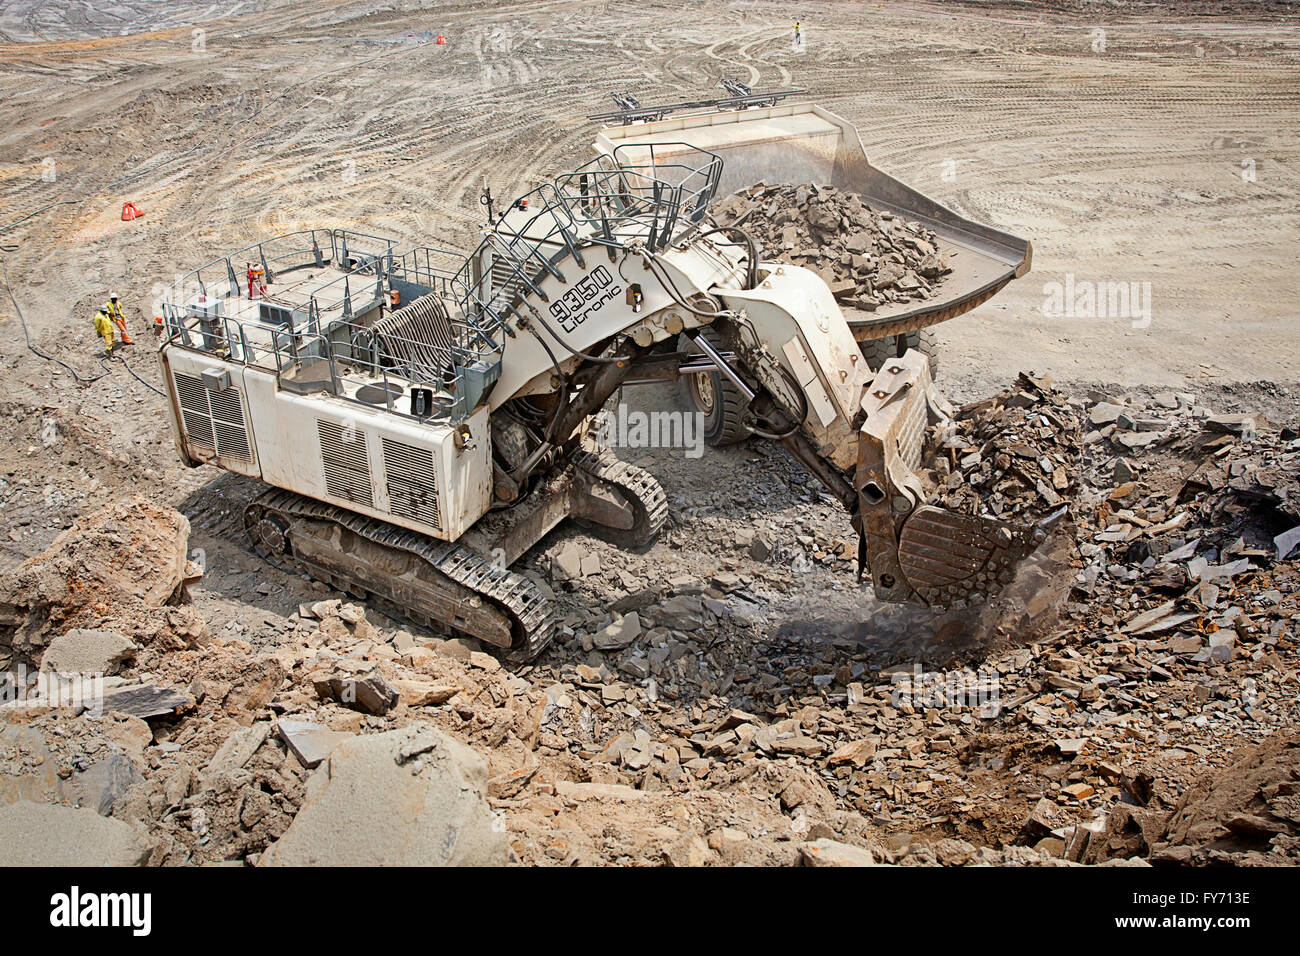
802,142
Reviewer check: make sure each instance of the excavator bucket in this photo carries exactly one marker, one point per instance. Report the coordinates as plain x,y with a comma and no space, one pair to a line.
912,550
801,143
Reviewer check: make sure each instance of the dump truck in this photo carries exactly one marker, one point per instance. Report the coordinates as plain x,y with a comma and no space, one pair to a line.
766,138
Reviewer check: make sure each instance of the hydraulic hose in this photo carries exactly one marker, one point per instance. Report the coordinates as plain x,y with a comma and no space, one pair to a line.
751,249
798,421
32,348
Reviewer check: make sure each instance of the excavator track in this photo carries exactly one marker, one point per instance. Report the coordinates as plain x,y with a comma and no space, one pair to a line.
411,575
637,487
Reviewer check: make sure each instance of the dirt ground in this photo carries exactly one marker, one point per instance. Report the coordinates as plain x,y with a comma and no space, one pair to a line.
1136,143
1129,143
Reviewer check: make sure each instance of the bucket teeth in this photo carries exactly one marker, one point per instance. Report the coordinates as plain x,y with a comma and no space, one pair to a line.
949,557
914,551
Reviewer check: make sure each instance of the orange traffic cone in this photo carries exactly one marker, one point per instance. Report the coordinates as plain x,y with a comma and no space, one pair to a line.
131,211
442,40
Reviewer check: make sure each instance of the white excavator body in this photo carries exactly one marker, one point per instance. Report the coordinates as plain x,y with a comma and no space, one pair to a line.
423,418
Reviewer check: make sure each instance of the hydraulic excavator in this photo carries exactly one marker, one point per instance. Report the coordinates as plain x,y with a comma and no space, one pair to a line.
423,418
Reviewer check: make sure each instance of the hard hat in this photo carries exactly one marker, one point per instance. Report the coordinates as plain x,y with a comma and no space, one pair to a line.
112,297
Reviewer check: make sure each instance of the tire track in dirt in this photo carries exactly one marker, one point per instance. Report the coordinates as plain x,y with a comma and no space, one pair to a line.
1105,161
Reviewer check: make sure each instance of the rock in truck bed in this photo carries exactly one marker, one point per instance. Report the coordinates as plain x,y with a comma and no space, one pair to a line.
867,257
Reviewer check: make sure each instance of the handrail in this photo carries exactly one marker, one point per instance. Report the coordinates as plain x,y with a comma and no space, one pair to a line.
620,199
612,201
308,253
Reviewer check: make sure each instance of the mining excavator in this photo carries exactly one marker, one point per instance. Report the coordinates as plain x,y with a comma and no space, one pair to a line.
422,418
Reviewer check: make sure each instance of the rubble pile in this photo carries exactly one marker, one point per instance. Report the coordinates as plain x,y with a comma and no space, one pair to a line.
1015,455
123,567
1181,626
1184,538
1245,815
693,713
866,256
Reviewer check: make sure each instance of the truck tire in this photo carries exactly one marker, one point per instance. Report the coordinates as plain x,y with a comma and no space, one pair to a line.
877,351
717,399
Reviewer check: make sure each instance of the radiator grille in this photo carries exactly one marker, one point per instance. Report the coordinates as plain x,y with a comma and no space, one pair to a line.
228,423
412,482
214,421
346,462
505,280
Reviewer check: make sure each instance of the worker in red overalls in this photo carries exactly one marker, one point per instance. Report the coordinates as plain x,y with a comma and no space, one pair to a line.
256,281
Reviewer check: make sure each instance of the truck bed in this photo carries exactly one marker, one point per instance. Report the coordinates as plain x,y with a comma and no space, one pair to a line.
802,142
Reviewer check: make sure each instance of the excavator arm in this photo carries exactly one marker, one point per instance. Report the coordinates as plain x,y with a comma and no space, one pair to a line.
619,258
873,464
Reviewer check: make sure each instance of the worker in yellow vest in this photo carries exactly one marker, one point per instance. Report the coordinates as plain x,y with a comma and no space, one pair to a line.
104,327
113,309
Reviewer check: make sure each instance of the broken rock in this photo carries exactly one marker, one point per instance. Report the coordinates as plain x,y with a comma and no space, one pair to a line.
619,634
369,693
311,743
43,834
87,651
409,797
145,701
827,852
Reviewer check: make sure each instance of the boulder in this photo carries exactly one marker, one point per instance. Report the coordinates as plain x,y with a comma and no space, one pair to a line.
826,852
74,761
42,834
86,651
368,693
408,797
118,567
619,634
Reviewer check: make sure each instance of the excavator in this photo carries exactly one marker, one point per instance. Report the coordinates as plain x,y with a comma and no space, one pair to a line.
422,418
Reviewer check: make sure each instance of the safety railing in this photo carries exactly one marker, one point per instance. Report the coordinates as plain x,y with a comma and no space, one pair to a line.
367,368
432,267
229,277
645,196
630,197
354,362
523,255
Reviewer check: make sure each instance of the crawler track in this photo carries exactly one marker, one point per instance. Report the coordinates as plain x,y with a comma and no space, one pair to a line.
409,574
637,487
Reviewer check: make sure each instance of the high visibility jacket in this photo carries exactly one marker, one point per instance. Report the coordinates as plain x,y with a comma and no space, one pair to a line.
104,329
113,310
